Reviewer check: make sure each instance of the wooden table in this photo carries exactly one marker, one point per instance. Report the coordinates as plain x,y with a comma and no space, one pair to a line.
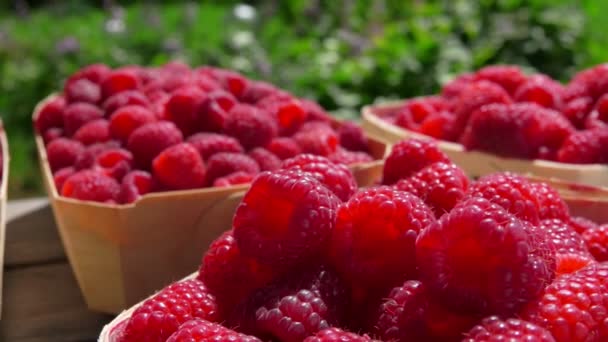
42,301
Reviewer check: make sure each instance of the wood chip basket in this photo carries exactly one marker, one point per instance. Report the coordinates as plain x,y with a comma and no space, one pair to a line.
3,190
120,254
476,163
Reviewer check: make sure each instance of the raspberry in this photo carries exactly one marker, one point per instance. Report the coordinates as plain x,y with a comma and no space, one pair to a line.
62,153
598,118
115,162
564,238
551,205
315,112
250,126
179,167
478,258
91,185
183,107
410,156
346,157
284,148
82,90
265,159
258,90
160,316
60,176
208,144
86,158
440,185
507,76
413,113
224,163
147,141
50,115
352,137
230,276
119,80
124,99
542,90
202,330
232,81
323,142
593,80
94,73
337,335
134,185
96,131
285,217
214,110
335,177
597,242
567,263
575,90
577,109
299,305
77,114
584,147
438,125
573,308
288,112
127,119
512,192
235,178
453,88
495,329
473,97
52,134
378,250
581,224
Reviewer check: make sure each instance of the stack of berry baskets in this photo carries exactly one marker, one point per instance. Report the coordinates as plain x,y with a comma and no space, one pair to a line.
500,119
4,164
428,255
145,166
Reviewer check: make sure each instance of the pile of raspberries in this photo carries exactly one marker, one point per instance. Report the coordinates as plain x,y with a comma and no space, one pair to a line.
115,135
501,110
429,255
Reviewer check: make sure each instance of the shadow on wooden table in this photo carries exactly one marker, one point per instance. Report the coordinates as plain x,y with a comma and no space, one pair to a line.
42,301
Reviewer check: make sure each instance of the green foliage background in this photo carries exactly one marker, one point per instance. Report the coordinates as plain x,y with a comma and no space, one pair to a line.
342,53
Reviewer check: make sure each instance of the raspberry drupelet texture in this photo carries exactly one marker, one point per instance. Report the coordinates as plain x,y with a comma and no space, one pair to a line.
86,159
564,238
542,90
286,216
581,224
352,137
91,185
321,141
214,110
585,147
378,251
125,120
337,335
336,177
124,99
183,107
478,258
410,156
200,330
551,205
495,329
265,159
115,162
149,140
577,109
77,114
180,167
208,144
509,77
63,152
82,90
60,176
597,242
134,185
119,80
224,163
251,126
50,115
346,157
96,131
160,316
284,147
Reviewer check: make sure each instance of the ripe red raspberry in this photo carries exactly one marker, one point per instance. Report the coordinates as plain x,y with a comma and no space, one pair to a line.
134,185
335,177
352,137
91,185
208,144
94,73
50,115
285,217
573,308
512,192
592,80
438,125
585,147
63,152
127,119
597,242
598,117
52,134
123,99
320,141
232,81
454,87
567,263
147,141
575,90
230,276
203,330
286,110
440,185
160,316
478,258
82,90
235,178
180,167
224,163
564,238
183,107
86,159
214,110
119,80
542,90
377,251
413,113
507,76
315,112
294,307
96,131
60,176
495,329
577,110
250,126
257,90
343,156
284,147
473,97
337,335
116,162
265,159
410,156
551,205
581,224
77,114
